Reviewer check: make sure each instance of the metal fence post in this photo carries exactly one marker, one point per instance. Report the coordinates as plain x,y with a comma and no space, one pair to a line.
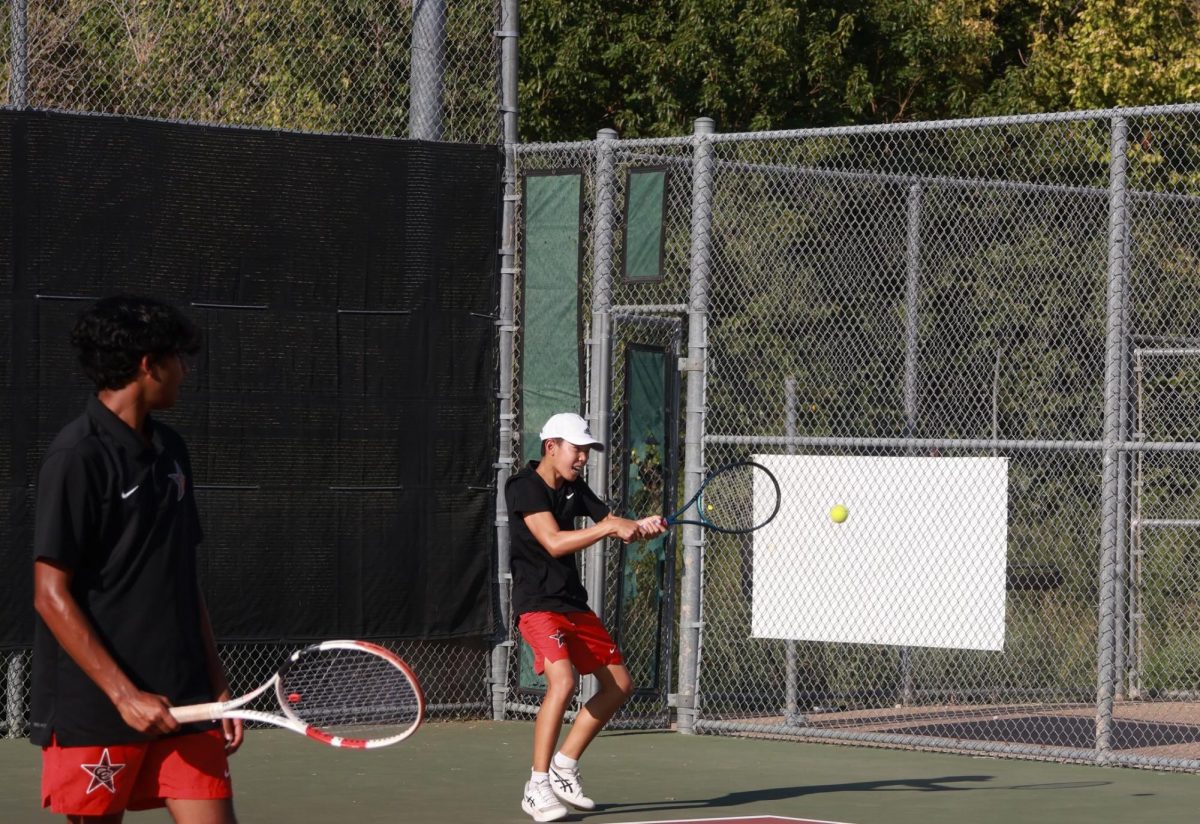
506,324
604,222
912,297
1124,486
427,60
693,467
792,714
19,80
1115,356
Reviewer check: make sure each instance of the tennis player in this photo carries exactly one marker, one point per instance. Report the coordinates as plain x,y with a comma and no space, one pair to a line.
122,632
544,499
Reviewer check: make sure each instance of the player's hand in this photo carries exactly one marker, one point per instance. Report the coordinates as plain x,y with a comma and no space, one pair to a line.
625,529
649,527
147,713
231,727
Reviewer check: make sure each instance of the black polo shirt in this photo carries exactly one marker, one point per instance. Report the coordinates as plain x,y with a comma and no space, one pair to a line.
541,582
120,513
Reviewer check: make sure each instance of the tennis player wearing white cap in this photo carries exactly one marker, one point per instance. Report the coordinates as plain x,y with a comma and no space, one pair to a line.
544,499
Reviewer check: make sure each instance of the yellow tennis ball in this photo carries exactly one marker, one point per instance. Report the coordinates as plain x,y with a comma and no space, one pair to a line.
838,514
709,507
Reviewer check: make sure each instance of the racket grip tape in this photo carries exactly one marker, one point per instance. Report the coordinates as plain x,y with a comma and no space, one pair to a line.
197,712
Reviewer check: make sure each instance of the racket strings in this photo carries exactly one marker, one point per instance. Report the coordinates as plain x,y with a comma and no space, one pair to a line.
350,693
734,500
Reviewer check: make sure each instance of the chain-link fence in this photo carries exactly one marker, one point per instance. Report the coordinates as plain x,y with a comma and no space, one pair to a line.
426,69
1019,290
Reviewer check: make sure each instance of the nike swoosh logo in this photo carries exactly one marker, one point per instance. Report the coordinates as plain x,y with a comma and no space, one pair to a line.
570,495
125,495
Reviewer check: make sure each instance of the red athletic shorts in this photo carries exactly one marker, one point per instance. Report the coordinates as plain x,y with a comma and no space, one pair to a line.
140,776
579,636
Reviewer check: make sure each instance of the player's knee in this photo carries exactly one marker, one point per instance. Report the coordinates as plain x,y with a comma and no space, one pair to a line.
560,686
622,685
626,688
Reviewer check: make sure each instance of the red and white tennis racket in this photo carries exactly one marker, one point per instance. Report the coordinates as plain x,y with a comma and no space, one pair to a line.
341,693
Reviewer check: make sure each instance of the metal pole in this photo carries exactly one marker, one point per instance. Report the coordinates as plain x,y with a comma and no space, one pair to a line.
19,81
1115,354
604,222
791,665
912,294
506,325
693,466
1136,549
427,61
1124,465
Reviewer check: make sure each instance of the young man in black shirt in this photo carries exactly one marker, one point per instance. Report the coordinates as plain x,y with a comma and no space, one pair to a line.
122,632
544,499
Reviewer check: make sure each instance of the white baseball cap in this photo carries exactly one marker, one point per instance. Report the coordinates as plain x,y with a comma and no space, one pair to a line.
572,429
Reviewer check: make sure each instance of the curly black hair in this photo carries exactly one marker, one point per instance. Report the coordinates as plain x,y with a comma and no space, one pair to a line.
114,334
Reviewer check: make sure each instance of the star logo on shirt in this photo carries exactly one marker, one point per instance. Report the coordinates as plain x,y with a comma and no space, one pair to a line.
180,481
104,774
560,637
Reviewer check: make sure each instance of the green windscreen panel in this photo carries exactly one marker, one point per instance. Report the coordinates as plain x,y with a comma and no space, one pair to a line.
643,564
644,206
550,358
550,361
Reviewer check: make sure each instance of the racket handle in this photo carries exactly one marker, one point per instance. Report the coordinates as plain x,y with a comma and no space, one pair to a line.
197,712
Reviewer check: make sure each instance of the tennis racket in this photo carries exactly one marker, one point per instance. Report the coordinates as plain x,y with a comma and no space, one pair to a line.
341,693
726,501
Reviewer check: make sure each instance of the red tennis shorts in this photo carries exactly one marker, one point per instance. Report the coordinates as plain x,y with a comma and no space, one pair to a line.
579,636
141,776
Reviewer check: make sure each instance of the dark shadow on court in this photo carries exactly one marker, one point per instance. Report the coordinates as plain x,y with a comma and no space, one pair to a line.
1078,732
943,784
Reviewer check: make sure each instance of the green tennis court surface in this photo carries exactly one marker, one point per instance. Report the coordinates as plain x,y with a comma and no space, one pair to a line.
474,772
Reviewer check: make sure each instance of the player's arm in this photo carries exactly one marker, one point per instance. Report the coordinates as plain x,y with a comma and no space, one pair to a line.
560,542
52,598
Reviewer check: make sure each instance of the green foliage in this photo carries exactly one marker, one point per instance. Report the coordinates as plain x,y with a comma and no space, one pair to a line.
1104,53
648,68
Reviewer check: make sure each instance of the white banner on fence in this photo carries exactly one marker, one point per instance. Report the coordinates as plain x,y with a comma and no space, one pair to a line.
919,561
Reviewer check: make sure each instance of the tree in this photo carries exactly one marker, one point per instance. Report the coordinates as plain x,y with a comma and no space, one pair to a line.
647,68
1103,54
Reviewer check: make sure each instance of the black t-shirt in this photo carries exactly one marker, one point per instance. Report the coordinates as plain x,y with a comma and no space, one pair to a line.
121,515
541,582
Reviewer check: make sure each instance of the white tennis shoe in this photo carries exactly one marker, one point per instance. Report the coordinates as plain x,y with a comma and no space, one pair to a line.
539,802
567,785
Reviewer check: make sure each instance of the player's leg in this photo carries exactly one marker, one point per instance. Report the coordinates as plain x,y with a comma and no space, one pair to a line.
592,651
189,775
560,689
615,687
538,799
565,781
115,818
202,810
546,633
